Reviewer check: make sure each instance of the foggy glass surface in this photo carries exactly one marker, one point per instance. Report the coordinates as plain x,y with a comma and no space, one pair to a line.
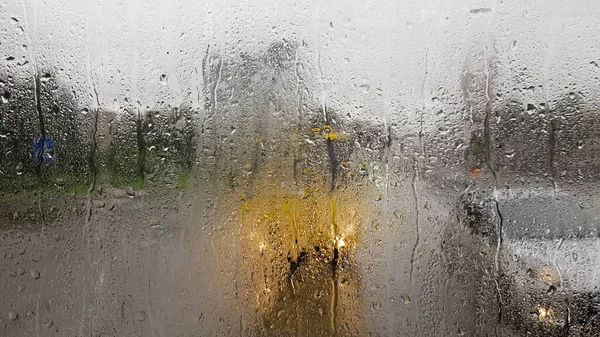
260,168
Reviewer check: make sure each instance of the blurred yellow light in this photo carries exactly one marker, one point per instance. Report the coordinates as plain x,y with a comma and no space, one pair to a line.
545,314
542,313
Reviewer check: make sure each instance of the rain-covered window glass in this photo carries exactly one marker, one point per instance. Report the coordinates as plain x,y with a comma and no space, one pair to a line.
300,168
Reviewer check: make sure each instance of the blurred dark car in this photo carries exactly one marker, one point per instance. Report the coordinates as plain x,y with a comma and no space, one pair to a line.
548,264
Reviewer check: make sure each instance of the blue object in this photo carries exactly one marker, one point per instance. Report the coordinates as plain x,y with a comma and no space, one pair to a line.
48,149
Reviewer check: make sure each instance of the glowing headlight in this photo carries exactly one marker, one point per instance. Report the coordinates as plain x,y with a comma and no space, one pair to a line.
340,243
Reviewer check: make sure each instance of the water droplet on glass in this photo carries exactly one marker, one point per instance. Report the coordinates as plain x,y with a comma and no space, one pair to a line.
19,168
45,77
141,316
12,315
85,111
509,153
530,90
530,108
580,144
34,274
572,95
24,47
163,79
5,97
60,182
130,192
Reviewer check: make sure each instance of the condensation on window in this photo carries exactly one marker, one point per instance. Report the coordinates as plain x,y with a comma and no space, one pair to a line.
201,168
